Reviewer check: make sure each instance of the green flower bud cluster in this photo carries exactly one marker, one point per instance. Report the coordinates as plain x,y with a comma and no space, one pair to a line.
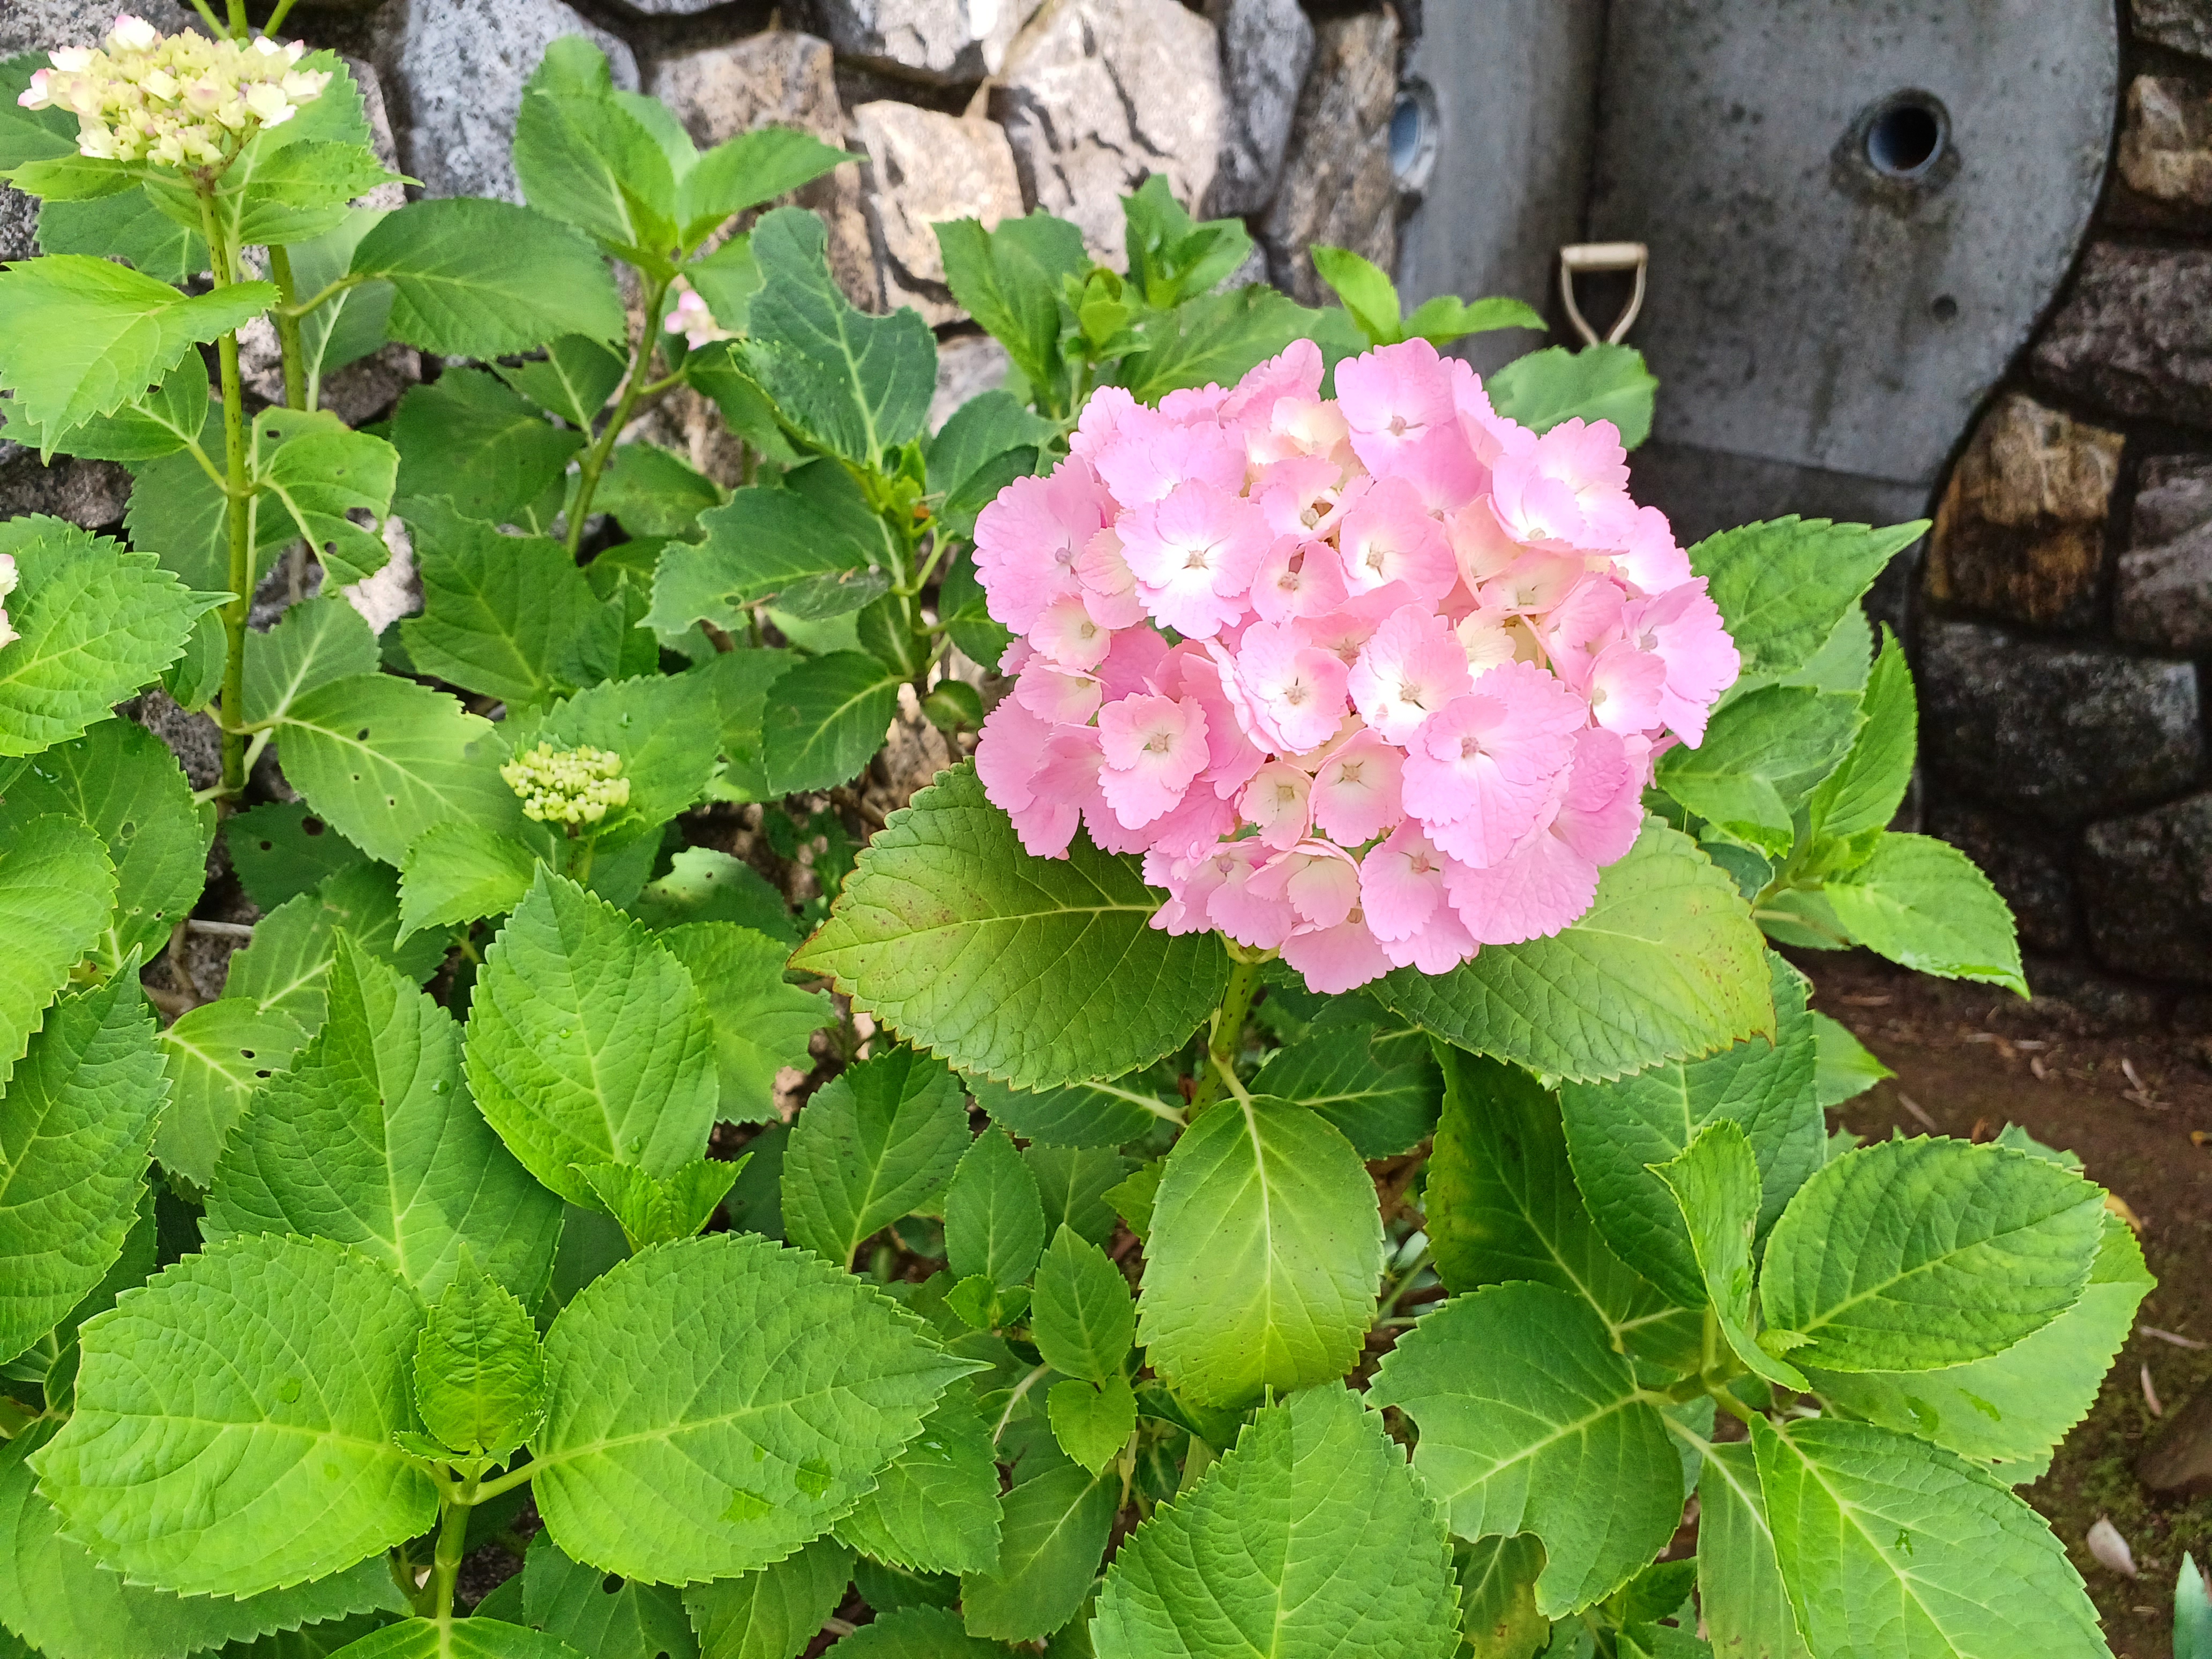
567,786
180,100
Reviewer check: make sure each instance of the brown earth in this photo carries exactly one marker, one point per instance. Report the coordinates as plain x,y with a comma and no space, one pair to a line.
1968,1060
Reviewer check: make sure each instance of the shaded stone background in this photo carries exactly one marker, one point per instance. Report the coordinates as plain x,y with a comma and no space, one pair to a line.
2058,616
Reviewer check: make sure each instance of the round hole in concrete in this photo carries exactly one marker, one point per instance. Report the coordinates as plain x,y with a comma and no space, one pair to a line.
1946,308
1414,139
1906,136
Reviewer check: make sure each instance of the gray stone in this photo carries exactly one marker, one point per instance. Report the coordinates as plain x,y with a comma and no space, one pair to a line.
2064,732
2021,532
2163,595
1098,95
1337,186
780,78
2165,143
90,493
1265,47
2027,861
923,169
2146,881
968,365
2185,24
376,110
193,738
19,225
455,71
2136,334
42,25
945,42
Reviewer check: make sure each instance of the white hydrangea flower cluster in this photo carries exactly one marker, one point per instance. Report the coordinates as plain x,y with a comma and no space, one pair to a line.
181,100
8,579
569,787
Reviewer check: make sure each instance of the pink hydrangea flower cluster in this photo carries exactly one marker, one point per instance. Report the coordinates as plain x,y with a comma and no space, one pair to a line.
1371,681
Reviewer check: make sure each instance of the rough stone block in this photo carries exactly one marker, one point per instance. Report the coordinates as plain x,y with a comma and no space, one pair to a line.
2136,334
2163,595
1266,46
2185,24
924,168
968,365
1337,187
779,78
19,225
2064,732
2166,144
2021,532
42,25
944,42
2146,883
2027,861
455,70
91,493
1097,96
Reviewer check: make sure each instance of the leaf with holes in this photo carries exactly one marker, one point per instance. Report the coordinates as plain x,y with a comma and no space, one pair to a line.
319,472
216,1056
469,442
599,1614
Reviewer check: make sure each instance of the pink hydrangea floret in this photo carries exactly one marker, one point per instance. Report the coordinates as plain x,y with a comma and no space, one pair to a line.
1373,681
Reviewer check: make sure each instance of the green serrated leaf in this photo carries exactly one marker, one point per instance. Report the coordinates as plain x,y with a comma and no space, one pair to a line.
281,849
1740,1588
1073,1181
606,1618
1081,1319
1762,755
1911,1254
1446,318
792,1389
1039,972
422,1179
124,783
879,1141
180,513
1009,280
1597,383
2012,1407
477,279
652,722
1616,1131
193,1476
161,421
1309,1537
1498,1597
574,381
62,1602
989,441
56,888
1715,1181
1782,585
935,1509
93,624
1920,901
748,170
1842,1068
1865,791
1503,1204
1089,1114
85,337
466,440
854,386
825,718
1530,1422
284,970
919,1633
774,1613
508,616
583,159
1892,1548
382,759
1091,1422
587,1043
457,873
1055,1527
320,473
1264,1256
1666,964
1383,1094
1364,289
478,1637
814,547
76,1126
313,642
654,1209
652,492
127,226
479,1378
994,1218
1218,338
216,1056
704,884
761,1025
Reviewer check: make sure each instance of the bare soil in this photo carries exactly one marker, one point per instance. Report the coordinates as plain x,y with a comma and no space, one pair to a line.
1970,1060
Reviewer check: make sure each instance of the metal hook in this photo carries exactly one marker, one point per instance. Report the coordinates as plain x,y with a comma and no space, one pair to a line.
1578,257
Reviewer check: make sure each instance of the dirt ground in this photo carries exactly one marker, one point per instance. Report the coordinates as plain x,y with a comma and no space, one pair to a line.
1969,1060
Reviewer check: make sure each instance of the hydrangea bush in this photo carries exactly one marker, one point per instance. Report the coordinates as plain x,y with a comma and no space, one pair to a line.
1303,1144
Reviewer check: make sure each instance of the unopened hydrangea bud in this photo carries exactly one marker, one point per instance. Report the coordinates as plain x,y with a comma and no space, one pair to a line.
7,586
182,101
567,786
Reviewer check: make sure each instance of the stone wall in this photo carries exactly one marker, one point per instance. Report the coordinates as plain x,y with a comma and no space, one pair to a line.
2066,623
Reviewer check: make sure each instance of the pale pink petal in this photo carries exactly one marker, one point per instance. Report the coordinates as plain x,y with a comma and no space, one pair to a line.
1569,486
1010,750
1480,773
1206,674
1060,696
1441,468
1132,663
1337,958
1409,669
1275,805
1442,943
1295,690
1295,371
1027,540
1109,586
1105,414
1402,882
1394,396
1603,812
1544,886
1194,553
1150,454
1357,793
1388,536
1318,881
1684,626
1626,688
1298,578
1194,823
1067,634
1482,547
1154,747
1648,556
1253,919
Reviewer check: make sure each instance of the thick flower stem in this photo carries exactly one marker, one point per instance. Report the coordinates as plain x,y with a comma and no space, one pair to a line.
603,446
239,504
1228,1033
446,1563
287,330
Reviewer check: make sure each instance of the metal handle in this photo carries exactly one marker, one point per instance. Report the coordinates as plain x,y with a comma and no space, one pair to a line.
1578,257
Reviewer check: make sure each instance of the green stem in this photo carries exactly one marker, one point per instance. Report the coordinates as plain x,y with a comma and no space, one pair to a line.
1228,1033
595,458
490,1489
241,25
201,7
239,504
287,330
445,1563
1405,1283
276,18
